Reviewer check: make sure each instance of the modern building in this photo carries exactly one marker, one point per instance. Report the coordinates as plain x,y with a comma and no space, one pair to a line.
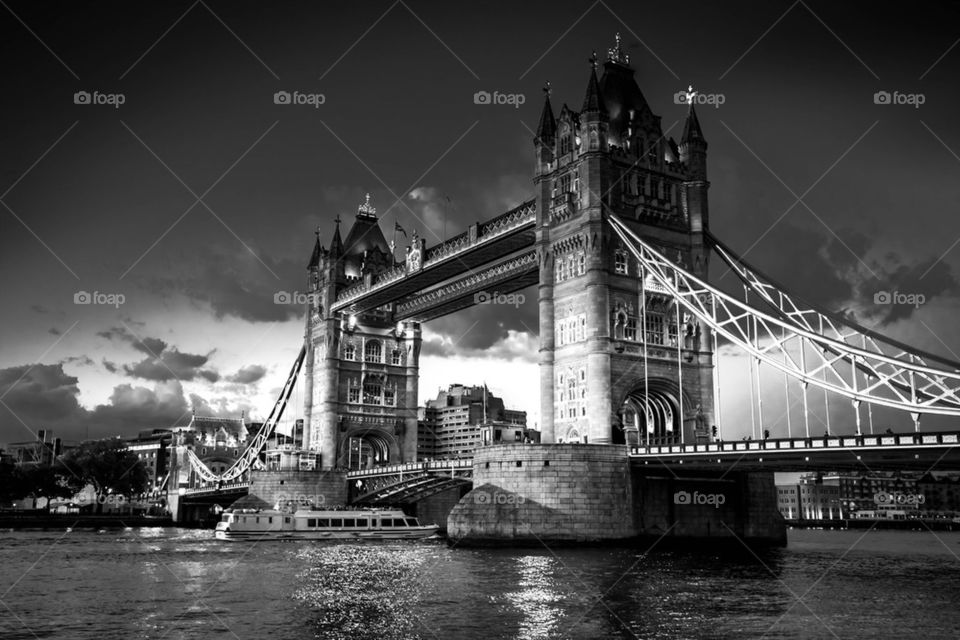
809,499
449,426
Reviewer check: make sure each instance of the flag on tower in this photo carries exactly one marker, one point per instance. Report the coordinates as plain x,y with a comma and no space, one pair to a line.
397,227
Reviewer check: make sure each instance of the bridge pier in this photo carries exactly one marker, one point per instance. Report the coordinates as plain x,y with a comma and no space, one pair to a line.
533,494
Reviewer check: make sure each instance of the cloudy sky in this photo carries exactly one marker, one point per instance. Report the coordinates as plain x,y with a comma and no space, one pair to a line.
186,198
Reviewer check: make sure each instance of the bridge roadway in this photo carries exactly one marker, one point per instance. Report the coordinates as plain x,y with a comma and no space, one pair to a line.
887,452
492,256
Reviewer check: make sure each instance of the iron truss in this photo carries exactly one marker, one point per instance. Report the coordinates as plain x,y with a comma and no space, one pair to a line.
251,454
810,346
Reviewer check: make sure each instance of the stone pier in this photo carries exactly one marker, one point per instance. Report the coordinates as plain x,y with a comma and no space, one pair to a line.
582,493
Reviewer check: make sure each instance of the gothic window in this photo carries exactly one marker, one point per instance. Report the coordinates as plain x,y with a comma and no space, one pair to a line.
630,331
620,261
389,397
582,327
349,352
373,352
576,182
618,326
395,357
560,270
373,390
353,392
570,266
654,328
565,184
581,263
565,145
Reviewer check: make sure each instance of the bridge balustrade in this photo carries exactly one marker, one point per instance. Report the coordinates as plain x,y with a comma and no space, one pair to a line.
830,442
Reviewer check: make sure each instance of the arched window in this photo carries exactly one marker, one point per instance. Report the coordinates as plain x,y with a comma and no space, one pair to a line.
373,352
395,357
349,352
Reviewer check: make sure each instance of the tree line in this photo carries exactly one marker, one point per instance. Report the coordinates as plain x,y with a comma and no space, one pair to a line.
107,465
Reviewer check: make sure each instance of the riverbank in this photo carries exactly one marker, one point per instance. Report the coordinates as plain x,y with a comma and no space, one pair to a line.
80,521
867,523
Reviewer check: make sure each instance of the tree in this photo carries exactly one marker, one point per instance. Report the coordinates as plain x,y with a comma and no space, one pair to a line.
109,466
45,481
11,483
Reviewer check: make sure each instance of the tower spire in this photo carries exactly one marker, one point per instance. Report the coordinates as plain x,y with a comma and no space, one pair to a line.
548,124
616,54
593,101
691,129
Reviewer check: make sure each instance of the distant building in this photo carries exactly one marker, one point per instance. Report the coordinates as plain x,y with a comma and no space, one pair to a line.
882,490
809,499
941,492
42,450
449,425
152,446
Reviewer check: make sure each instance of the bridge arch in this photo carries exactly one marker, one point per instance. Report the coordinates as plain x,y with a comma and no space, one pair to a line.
368,449
651,412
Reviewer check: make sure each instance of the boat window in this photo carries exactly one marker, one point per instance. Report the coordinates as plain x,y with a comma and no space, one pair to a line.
270,519
323,522
386,522
336,522
349,522
287,520
362,522
398,522
411,522
258,519
311,522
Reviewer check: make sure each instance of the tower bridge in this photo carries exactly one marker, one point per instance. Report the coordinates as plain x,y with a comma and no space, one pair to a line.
617,239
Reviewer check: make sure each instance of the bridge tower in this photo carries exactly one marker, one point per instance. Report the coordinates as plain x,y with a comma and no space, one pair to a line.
361,369
618,363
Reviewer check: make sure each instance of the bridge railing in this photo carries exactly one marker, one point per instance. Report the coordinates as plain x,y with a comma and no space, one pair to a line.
411,467
215,488
821,442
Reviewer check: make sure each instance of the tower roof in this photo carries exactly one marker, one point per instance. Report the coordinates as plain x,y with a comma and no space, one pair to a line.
365,235
317,251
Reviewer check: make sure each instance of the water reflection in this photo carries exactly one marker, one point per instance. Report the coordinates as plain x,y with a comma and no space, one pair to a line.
537,597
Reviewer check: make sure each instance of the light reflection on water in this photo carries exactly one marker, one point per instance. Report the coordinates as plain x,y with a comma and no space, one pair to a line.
170,583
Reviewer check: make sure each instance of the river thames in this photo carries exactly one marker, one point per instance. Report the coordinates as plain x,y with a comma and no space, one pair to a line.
179,583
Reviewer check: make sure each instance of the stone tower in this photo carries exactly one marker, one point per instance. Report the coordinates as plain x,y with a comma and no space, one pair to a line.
361,370
617,365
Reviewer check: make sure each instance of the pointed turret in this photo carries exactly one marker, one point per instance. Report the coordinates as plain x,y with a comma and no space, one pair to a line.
336,245
547,130
593,100
692,130
317,252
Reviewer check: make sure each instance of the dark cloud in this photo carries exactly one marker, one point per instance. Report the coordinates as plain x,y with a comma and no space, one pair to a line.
110,366
481,327
54,331
81,360
163,362
243,288
45,397
249,374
